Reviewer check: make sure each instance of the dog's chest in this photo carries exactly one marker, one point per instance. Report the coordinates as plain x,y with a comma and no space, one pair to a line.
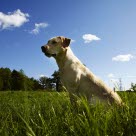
70,77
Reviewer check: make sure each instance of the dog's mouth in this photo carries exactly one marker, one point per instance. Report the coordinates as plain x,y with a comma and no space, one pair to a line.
44,50
49,55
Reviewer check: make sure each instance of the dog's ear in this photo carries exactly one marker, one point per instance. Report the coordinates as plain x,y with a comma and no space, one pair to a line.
66,42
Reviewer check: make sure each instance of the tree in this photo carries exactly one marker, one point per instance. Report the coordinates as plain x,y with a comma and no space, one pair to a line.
34,84
57,81
5,79
47,83
50,84
1,84
17,80
133,86
43,81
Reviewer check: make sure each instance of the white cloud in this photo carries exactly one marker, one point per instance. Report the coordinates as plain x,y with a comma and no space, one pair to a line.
123,58
13,19
111,75
42,76
37,28
72,41
89,38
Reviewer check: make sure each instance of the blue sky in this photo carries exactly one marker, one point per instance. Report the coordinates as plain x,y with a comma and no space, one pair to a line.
103,34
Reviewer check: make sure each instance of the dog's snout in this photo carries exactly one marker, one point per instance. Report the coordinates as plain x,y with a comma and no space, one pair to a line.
43,49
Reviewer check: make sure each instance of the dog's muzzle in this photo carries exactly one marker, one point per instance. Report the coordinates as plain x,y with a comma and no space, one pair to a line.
45,51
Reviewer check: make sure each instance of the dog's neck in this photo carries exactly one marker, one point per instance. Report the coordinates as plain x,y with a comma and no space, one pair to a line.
66,58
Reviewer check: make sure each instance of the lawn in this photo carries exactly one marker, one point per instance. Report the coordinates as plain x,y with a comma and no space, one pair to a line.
51,114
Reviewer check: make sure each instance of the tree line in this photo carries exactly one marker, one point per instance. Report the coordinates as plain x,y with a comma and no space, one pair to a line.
17,80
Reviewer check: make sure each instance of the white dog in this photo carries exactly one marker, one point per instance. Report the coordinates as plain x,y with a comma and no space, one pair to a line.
76,77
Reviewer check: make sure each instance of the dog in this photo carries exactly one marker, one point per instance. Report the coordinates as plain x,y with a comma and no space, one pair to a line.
76,77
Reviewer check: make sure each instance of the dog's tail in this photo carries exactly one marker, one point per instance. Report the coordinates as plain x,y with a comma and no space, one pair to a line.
116,98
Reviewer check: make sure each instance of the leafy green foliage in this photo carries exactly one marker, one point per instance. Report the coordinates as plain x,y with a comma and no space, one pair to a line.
17,80
51,114
5,79
133,87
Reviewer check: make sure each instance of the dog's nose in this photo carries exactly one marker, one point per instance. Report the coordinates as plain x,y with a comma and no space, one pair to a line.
43,49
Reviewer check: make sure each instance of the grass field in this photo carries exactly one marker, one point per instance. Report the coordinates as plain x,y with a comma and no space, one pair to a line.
51,114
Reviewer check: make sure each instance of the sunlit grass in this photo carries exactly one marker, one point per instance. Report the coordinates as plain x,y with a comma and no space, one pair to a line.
51,114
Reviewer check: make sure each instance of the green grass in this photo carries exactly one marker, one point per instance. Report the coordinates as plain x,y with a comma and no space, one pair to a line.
51,114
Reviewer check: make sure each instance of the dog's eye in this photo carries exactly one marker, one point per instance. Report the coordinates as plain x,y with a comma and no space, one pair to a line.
54,42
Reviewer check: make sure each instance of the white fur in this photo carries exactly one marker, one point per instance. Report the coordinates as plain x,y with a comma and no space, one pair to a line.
78,79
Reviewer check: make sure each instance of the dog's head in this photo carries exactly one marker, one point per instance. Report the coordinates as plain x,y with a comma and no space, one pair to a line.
55,46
